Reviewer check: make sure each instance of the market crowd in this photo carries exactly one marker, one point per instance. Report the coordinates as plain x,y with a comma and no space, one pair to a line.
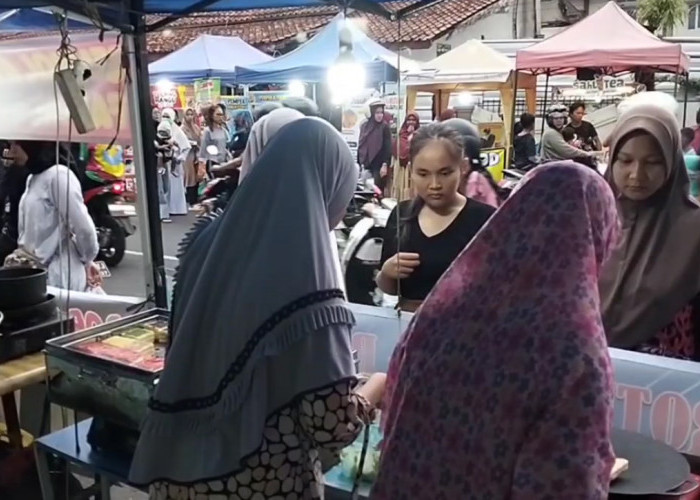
502,385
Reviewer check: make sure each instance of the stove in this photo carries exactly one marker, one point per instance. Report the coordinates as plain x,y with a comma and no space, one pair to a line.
20,338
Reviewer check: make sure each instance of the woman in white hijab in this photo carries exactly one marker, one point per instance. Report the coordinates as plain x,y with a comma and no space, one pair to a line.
259,378
177,200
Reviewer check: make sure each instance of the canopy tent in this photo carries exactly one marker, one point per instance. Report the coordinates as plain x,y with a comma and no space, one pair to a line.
310,62
609,40
207,56
117,12
472,67
24,20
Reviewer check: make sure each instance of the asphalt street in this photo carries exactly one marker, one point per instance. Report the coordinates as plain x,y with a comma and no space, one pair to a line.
128,277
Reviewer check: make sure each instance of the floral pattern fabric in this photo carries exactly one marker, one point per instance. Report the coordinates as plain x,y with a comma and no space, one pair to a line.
501,388
677,339
288,464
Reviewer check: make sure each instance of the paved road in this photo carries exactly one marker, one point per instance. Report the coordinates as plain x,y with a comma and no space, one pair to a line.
128,277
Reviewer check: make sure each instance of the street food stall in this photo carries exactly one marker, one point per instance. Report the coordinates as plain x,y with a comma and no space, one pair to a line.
608,42
472,67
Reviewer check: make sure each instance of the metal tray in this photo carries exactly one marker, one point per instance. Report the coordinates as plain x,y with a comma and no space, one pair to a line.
114,388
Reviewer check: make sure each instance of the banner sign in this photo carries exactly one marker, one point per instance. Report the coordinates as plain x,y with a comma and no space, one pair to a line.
235,103
29,99
262,96
655,396
495,161
170,96
207,91
89,310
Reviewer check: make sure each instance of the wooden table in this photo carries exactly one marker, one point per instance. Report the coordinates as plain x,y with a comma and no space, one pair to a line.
14,376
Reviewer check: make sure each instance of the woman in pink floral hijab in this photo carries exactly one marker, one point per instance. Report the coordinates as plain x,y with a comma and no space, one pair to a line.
501,388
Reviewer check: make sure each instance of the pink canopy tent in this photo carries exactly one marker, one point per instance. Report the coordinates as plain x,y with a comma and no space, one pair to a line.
608,39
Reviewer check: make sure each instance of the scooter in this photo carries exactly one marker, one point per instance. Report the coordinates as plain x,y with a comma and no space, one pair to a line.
113,220
224,180
362,253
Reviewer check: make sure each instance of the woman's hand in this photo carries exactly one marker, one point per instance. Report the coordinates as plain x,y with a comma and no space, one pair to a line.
401,265
373,390
94,276
384,170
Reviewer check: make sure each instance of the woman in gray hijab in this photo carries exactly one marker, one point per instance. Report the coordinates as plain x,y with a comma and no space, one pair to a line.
259,378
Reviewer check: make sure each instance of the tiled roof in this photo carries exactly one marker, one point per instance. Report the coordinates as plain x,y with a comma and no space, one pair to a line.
267,28
270,29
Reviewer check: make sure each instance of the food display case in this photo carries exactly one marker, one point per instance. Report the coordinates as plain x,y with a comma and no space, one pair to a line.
111,370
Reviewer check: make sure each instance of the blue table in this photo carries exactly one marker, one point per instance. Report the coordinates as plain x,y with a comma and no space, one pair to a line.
107,470
110,470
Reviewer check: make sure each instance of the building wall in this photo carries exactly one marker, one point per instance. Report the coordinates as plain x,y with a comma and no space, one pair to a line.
499,26
496,26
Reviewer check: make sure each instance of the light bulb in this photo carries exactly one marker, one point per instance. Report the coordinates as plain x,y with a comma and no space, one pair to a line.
297,88
346,80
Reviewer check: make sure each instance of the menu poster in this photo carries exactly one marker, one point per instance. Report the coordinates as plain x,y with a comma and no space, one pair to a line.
207,91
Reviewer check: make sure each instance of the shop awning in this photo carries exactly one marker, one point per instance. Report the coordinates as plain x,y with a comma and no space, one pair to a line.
116,12
209,56
39,19
310,62
608,39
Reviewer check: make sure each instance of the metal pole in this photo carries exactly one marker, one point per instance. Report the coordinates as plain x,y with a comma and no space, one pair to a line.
144,157
544,104
139,170
509,155
685,98
675,86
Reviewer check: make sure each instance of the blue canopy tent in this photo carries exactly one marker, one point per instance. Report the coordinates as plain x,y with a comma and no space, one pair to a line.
209,56
119,12
311,61
24,20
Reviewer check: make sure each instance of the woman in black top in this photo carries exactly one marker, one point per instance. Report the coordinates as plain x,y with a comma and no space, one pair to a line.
585,132
434,227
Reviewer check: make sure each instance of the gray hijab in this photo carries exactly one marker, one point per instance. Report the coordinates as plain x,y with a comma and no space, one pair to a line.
262,132
259,300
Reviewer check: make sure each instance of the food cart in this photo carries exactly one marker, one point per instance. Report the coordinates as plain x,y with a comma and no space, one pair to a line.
473,67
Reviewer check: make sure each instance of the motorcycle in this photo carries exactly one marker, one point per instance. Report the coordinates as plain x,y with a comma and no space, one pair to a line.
113,219
365,193
362,253
223,182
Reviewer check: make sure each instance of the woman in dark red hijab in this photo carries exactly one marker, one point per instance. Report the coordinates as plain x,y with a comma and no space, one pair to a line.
374,148
409,127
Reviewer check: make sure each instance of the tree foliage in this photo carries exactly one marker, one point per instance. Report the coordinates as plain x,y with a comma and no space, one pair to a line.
662,16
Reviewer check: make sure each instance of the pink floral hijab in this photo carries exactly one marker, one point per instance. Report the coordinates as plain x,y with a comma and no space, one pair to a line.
502,383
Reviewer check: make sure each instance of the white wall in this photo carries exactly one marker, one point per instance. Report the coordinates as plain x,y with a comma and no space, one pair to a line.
496,26
499,25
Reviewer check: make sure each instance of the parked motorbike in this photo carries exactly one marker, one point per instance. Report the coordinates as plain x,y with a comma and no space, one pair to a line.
224,180
361,256
113,219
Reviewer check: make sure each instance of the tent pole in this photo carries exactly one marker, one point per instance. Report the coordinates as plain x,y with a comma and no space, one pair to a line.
685,98
544,104
513,105
139,170
143,135
675,86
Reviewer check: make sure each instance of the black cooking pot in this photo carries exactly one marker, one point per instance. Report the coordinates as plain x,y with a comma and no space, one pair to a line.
21,287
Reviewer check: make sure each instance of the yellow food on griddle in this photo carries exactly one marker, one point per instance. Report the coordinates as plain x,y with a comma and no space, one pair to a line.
133,345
